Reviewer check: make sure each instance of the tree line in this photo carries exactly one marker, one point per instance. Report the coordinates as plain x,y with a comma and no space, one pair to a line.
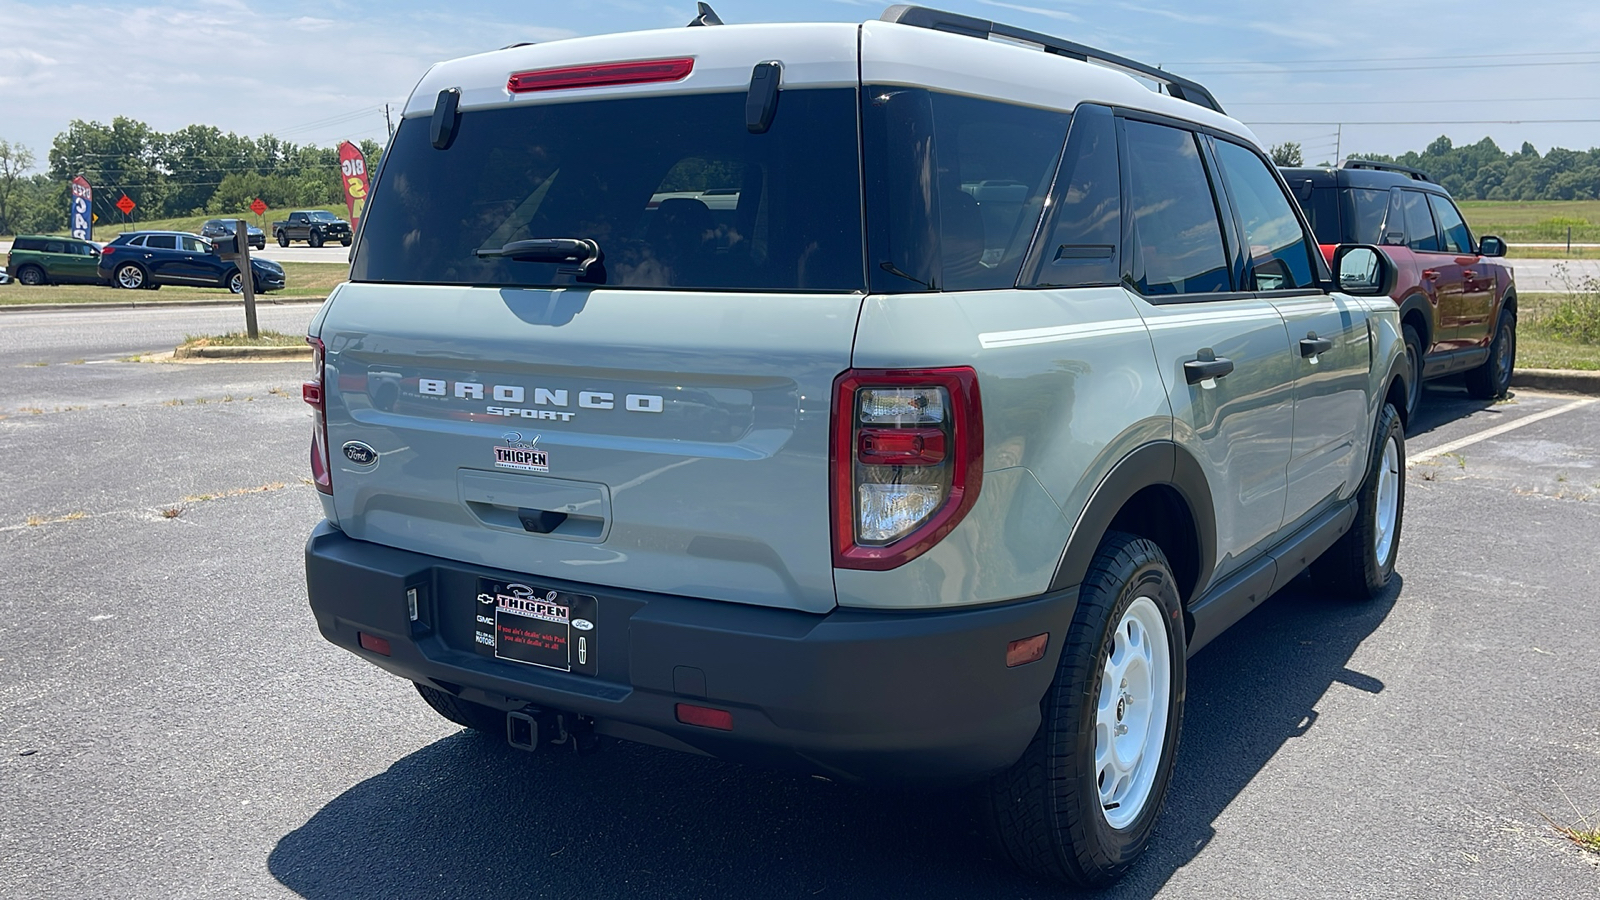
1483,171
196,170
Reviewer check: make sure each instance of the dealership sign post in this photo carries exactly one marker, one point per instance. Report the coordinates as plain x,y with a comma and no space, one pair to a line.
82,216
353,172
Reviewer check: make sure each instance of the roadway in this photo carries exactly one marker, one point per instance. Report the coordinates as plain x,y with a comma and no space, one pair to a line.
172,724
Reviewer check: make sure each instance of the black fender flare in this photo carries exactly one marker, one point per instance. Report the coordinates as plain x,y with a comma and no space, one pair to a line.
1418,303
1162,463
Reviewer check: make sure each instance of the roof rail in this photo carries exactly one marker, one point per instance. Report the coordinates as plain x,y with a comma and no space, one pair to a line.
955,23
1416,174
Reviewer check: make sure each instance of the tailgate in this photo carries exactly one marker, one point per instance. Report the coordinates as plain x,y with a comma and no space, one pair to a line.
649,440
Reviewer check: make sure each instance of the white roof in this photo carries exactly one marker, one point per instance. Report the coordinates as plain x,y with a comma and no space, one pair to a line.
813,55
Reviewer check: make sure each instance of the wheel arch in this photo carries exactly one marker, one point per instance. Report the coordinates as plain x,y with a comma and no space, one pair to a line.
44,274
1417,312
1158,492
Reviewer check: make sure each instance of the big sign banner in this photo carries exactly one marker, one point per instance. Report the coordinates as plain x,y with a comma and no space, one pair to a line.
82,214
353,171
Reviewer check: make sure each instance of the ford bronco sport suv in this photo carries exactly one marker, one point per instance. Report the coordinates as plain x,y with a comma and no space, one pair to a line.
1457,299
46,259
909,405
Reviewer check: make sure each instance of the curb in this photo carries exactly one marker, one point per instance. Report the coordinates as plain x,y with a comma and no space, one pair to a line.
242,353
148,304
1566,380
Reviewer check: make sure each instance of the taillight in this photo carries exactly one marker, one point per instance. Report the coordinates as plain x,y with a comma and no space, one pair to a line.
313,393
907,462
107,251
639,71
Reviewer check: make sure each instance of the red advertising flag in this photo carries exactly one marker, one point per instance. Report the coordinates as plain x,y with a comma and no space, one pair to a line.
353,171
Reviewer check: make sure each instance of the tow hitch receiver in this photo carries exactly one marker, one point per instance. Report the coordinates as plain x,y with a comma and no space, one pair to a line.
529,729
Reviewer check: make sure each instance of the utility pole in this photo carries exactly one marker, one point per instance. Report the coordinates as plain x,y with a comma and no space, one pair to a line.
387,121
1338,142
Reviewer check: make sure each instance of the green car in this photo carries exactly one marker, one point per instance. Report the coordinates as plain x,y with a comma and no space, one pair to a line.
46,259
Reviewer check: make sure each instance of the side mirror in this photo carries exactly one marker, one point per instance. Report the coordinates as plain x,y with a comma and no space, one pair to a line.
1491,246
1363,270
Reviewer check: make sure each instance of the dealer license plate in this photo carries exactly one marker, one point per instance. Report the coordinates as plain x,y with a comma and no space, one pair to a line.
537,626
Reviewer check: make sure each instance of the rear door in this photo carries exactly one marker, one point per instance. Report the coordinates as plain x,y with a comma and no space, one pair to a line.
1328,335
162,258
1223,352
1442,273
656,418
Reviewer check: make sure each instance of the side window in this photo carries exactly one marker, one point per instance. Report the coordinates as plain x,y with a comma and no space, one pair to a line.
1280,255
1174,213
190,244
1368,208
1080,246
55,247
136,242
1457,238
955,187
1420,232
161,242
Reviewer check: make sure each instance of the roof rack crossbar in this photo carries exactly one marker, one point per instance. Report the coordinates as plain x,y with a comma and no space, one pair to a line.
1416,174
955,23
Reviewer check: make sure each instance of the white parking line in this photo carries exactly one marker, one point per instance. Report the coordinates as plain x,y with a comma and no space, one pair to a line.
1496,431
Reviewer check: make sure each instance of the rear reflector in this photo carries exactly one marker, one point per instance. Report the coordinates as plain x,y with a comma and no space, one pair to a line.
1027,650
705,717
640,71
371,642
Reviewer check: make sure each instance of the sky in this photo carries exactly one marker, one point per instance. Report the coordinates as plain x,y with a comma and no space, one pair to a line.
1374,76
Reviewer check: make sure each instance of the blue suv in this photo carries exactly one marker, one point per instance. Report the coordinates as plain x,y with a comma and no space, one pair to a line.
150,259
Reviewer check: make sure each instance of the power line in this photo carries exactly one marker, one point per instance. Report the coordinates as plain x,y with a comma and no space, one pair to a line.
1444,122
1348,71
1473,100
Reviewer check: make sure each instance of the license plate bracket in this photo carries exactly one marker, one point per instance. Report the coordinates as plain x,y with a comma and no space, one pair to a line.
536,626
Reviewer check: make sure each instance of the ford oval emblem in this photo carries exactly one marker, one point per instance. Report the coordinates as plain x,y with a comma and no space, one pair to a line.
360,454
583,624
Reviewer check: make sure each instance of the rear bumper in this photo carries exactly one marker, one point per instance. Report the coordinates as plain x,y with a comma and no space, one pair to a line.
853,695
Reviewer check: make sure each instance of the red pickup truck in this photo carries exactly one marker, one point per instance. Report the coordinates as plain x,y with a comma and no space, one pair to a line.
1457,297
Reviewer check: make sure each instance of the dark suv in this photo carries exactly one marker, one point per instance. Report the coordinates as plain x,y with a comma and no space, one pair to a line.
221,228
46,259
1458,303
150,259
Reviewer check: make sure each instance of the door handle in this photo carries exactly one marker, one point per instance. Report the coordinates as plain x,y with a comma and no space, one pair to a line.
1469,274
1430,274
1311,345
1208,365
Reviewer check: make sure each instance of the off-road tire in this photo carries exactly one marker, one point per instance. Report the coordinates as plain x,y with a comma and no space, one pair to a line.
346,241
1493,378
1415,358
465,713
1351,567
315,239
32,276
1043,813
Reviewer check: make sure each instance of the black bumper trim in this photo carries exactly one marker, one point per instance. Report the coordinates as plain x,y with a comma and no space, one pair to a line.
854,694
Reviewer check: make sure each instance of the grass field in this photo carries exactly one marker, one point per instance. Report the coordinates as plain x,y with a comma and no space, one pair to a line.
1558,331
106,229
1544,221
304,280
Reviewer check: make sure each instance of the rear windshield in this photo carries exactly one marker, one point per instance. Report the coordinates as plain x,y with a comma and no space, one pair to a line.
675,190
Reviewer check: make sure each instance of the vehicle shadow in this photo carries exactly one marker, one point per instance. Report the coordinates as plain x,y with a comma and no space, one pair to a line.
468,817
1444,401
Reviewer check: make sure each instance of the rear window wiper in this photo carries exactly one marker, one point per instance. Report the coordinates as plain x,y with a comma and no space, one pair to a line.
582,254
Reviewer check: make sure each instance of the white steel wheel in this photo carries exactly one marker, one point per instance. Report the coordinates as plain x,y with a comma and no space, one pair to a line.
1387,508
1131,714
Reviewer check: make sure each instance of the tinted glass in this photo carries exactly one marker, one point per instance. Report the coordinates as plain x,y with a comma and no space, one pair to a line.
1081,243
1368,207
192,244
323,217
1419,222
1322,209
956,186
136,242
162,242
1174,213
1457,238
85,249
34,244
676,190
55,247
1280,254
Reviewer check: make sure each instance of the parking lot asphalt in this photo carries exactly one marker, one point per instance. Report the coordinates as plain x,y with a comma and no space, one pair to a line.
172,725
